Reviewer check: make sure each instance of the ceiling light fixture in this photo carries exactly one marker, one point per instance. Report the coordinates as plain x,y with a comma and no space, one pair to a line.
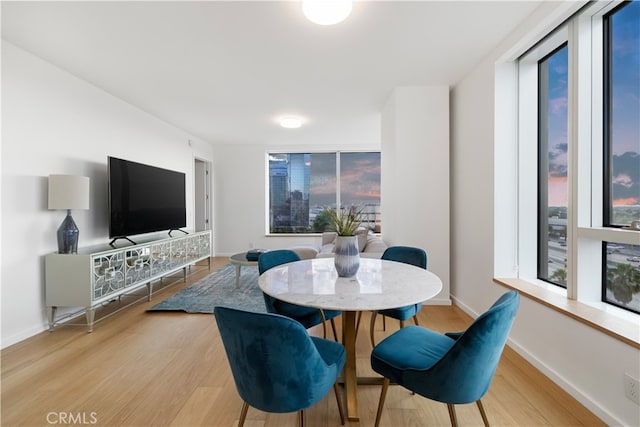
326,12
291,122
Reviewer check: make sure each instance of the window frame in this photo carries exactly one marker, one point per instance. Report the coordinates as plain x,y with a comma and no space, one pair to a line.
528,148
607,160
543,163
336,152
585,227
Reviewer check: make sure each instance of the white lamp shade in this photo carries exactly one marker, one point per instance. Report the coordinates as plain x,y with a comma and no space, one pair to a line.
68,192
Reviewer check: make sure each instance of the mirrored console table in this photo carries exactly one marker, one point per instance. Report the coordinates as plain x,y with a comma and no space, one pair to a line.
98,274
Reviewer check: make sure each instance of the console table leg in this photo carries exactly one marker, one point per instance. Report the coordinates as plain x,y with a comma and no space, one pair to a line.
52,317
90,313
184,274
149,290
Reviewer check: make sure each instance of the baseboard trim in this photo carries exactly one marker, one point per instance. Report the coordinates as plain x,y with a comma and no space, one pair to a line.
438,301
23,335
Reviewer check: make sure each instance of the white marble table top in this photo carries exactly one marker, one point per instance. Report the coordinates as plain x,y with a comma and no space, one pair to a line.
379,284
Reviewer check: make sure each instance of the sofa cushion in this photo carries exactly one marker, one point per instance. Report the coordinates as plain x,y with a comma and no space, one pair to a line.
374,244
305,252
327,249
328,238
362,239
368,243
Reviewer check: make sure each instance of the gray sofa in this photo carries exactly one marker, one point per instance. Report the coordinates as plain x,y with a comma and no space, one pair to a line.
370,245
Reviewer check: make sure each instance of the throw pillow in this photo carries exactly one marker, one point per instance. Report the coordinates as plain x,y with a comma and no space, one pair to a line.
362,239
329,238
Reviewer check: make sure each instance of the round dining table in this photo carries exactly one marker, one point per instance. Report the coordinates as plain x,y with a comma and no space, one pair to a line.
378,284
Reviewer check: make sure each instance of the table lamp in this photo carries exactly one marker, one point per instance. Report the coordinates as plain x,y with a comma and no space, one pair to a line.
68,192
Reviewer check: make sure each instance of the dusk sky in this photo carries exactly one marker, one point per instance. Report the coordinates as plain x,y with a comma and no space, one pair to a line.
625,115
626,106
557,110
359,177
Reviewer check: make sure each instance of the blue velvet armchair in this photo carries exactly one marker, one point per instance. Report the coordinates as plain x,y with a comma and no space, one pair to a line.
308,316
407,255
454,368
276,365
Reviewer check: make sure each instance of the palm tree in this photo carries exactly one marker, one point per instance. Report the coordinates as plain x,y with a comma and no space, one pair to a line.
623,281
559,276
322,221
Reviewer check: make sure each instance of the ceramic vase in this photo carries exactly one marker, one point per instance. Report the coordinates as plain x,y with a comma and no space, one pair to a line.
347,256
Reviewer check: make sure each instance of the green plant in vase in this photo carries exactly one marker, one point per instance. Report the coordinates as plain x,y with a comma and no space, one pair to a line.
345,222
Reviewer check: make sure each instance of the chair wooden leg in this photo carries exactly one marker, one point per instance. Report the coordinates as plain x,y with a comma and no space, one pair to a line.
372,327
358,322
452,415
301,418
243,414
415,320
340,409
335,333
401,324
324,324
383,395
384,323
485,420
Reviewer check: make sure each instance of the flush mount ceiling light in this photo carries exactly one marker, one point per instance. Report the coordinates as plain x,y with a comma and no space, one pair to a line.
290,122
326,12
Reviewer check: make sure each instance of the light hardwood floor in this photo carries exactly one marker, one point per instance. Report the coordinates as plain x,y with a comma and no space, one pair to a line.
170,369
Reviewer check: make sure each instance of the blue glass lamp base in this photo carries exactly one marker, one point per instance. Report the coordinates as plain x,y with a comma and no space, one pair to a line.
68,236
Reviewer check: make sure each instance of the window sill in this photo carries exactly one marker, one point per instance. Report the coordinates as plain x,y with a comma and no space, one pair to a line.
621,327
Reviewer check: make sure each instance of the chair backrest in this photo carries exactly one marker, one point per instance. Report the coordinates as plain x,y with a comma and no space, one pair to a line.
272,259
464,373
275,364
406,254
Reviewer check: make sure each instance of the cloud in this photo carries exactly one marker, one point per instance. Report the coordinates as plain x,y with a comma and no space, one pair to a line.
629,201
558,105
622,179
359,178
626,177
562,147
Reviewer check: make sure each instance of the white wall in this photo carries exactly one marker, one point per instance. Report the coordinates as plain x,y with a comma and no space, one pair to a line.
588,364
415,175
55,123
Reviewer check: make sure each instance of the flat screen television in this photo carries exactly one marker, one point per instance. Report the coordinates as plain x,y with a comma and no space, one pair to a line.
144,199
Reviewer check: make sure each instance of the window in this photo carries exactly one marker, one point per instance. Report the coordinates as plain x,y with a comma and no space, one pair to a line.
622,114
552,176
360,185
621,270
303,185
579,116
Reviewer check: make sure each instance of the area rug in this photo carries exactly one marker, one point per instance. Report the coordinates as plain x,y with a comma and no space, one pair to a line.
218,288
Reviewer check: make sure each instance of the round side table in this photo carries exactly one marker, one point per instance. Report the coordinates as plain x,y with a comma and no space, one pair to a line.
239,260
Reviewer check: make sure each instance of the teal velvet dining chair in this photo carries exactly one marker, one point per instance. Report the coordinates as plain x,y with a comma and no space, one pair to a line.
453,368
407,255
308,316
276,365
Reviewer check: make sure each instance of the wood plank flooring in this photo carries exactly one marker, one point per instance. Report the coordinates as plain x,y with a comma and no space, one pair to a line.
170,369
